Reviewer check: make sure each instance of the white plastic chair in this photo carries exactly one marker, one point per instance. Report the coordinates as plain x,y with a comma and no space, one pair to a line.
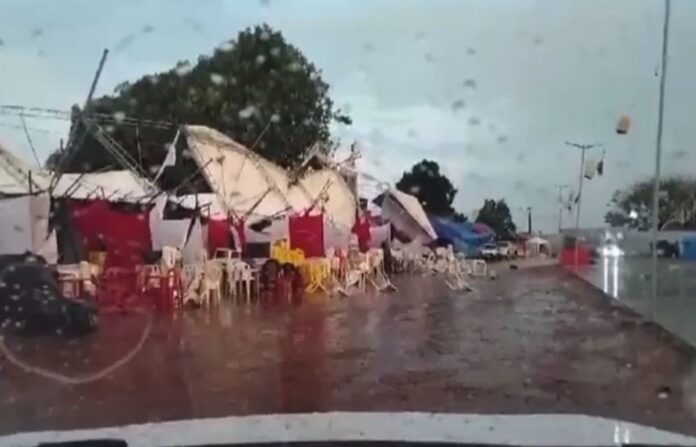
212,282
245,277
170,257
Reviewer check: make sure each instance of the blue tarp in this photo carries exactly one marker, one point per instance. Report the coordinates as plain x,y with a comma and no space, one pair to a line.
460,234
688,248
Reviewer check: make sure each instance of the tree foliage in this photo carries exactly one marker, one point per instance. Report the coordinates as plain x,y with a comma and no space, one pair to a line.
632,206
496,214
258,89
432,188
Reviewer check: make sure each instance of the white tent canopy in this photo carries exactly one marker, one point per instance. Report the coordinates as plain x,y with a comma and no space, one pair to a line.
121,186
15,175
24,226
247,184
407,215
536,245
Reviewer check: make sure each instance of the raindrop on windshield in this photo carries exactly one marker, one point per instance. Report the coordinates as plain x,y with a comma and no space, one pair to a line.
247,112
469,83
147,29
664,392
471,51
217,78
37,32
458,104
474,121
183,68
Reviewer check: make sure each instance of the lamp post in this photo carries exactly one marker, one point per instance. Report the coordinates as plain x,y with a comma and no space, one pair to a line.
658,144
583,148
561,188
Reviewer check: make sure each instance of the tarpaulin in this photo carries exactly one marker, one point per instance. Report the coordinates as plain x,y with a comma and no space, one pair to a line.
127,237
218,235
167,232
240,232
15,225
194,242
379,235
362,230
90,218
460,234
307,233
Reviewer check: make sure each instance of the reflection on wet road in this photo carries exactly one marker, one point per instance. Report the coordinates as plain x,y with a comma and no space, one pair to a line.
629,279
534,341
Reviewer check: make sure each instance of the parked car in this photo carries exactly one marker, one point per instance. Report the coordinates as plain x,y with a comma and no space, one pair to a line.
489,251
507,249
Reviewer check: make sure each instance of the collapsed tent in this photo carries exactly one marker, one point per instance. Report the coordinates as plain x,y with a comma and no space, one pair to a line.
24,226
25,209
114,186
406,214
252,188
460,234
17,178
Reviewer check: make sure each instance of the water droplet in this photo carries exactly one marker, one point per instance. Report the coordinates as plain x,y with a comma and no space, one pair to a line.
537,41
474,121
502,139
247,112
37,32
275,51
147,29
119,116
295,66
458,104
469,83
368,46
183,68
217,79
275,118
664,392
260,59
227,45
471,51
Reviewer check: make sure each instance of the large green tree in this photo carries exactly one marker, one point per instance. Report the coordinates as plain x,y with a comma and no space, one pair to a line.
496,214
632,207
432,188
258,89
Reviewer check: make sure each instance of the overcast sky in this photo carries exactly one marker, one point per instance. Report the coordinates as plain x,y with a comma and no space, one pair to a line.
490,88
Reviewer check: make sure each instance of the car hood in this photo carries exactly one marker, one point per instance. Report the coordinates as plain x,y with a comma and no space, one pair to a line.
531,429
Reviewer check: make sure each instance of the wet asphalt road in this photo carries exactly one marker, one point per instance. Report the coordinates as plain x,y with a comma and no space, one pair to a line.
534,341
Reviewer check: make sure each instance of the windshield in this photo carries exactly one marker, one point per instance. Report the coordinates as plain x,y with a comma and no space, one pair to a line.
218,209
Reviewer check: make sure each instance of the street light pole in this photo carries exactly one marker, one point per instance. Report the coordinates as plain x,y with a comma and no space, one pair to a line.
658,144
583,148
560,206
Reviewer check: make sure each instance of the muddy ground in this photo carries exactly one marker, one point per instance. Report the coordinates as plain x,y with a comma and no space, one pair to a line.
533,341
